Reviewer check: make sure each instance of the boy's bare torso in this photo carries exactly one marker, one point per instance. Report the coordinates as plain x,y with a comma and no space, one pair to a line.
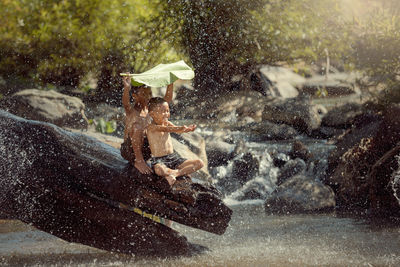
160,143
136,120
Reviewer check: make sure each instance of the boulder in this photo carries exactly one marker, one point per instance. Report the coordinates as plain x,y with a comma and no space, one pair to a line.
243,168
291,168
299,150
366,128
254,189
279,159
384,189
282,82
327,132
336,84
82,190
300,194
219,152
297,112
342,116
355,177
349,179
49,106
266,130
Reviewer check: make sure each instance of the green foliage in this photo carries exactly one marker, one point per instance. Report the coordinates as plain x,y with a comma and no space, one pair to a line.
226,38
301,30
377,49
64,42
103,126
213,35
60,42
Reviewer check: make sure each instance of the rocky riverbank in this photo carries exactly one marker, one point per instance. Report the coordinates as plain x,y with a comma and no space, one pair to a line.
359,172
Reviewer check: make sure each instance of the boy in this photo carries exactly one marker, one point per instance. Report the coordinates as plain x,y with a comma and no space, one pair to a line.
136,122
165,161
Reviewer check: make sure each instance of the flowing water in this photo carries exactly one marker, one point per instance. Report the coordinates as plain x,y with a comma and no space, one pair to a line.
253,238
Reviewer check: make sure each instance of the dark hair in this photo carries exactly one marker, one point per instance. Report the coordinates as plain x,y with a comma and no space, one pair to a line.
135,89
155,101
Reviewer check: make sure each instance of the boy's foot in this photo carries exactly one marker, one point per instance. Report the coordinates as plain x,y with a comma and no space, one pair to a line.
171,179
172,172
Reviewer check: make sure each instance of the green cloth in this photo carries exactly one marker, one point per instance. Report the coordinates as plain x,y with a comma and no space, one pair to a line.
163,74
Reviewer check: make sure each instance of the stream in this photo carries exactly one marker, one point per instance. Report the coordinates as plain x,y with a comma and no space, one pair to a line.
253,237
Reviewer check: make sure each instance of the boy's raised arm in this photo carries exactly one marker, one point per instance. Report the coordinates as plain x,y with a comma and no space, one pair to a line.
125,96
169,93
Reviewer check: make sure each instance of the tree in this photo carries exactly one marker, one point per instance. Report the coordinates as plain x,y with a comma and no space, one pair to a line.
227,38
61,42
377,49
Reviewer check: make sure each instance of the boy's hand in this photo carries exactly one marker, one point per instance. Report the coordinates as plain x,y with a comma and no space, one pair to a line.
189,128
127,81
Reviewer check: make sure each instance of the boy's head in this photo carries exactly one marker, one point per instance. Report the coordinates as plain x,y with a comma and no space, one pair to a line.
159,110
142,93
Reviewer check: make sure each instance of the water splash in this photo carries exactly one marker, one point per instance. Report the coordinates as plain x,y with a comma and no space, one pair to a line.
395,181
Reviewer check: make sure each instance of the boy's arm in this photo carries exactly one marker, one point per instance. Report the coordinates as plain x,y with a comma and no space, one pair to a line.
125,96
169,93
171,128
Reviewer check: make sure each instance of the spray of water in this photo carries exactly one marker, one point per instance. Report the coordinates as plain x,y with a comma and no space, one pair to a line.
395,181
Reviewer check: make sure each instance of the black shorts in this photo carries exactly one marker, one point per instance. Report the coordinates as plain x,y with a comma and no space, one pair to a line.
172,161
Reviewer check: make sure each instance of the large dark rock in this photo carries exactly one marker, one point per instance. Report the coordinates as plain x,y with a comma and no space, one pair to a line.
219,152
266,130
336,84
300,194
354,176
254,189
299,150
244,168
367,127
297,112
280,81
384,189
291,168
342,116
72,185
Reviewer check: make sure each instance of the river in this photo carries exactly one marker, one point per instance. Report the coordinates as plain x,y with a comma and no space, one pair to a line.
252,239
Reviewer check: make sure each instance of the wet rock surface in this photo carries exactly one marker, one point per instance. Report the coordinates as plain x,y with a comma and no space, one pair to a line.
300,194
70,185
297,112
49,106
363,168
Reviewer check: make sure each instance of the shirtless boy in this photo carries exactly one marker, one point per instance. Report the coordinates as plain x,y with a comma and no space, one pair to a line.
136,122
165,161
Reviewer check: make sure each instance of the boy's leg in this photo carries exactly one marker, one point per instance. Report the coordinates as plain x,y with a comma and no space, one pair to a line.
169,174
190,166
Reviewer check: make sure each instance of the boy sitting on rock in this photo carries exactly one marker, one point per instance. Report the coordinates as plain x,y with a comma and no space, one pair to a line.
164,160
